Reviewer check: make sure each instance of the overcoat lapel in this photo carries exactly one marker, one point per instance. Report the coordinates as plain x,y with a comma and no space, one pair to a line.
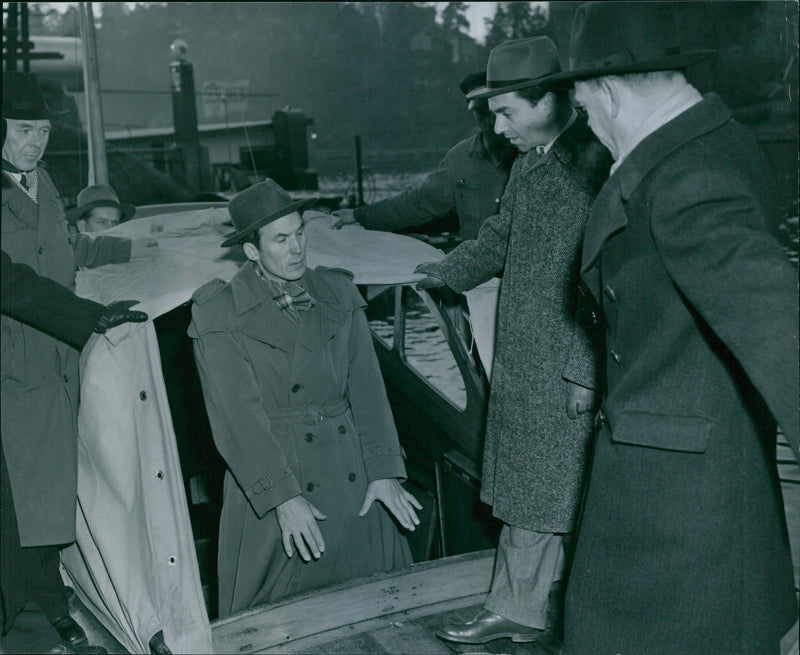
262,319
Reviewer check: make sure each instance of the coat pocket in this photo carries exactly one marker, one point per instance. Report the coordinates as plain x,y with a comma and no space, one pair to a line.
688,434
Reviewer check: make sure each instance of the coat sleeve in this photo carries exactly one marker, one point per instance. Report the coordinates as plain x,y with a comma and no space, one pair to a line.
432,199
709,230
240,427
380,446
46,305
91,252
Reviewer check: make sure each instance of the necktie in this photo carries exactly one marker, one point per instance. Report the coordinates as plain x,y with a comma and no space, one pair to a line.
24,182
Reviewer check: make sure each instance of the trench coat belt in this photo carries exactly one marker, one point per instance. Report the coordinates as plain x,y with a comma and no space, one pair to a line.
310,413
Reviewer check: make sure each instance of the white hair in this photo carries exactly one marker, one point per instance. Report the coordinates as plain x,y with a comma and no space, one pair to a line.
640,82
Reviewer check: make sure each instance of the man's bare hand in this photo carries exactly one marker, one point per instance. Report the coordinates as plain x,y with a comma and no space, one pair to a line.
343,217
434,273
579,400
297,518
396,499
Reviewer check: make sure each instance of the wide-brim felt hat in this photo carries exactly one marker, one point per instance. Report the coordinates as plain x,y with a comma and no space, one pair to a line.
259,205
23,98
98,195
519,64
616,38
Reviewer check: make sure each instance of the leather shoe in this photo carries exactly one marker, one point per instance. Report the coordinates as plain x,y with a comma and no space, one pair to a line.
72,634
485,627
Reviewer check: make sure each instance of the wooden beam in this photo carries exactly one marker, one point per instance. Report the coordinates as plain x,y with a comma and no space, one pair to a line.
427,585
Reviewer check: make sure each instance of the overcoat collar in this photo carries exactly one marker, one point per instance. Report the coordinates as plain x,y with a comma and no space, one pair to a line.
608,210
565,147
264,321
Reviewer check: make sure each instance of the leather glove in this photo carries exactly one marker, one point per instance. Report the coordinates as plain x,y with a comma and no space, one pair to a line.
117,313
434,273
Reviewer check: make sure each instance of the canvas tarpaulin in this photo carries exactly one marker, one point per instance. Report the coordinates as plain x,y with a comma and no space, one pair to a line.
134,563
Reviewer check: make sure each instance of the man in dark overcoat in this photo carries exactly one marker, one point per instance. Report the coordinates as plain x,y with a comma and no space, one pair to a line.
538,425
682,546
299,412
38,471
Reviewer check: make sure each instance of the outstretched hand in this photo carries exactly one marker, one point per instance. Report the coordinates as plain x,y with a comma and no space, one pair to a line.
343,217
297,519
396,499
434,273
117,313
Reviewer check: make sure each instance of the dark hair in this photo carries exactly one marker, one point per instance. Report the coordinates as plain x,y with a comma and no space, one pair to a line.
251,238
533,94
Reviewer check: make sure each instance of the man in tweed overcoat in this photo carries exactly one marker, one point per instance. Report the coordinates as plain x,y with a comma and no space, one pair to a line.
535,453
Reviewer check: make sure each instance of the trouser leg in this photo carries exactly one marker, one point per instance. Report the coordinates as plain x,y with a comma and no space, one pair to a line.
526,566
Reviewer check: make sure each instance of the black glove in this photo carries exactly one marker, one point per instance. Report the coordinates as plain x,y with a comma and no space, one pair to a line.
117,313
434,273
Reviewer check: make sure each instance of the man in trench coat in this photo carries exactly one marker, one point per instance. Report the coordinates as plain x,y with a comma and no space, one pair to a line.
538,425
683,546
38,471
299,412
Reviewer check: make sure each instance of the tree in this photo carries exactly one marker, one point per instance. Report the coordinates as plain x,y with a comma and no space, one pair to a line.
454,17
514,20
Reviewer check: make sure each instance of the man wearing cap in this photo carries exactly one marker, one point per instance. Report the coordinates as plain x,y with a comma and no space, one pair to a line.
538,425
470,179
682,546
38,471
299,412
99,209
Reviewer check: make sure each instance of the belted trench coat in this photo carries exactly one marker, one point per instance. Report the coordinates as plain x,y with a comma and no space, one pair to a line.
39,402
256,365
682,546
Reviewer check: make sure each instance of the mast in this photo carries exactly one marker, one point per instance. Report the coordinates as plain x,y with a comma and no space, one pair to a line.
98,163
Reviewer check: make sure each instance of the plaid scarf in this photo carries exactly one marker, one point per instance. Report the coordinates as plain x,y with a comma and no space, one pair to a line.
290,297
28,181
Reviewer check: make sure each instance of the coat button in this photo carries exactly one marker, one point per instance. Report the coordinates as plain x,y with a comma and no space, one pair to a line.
615,356
341,429
66,378
297,387
610,293
309,437
352,477
143,395
41,250
310,486
461,181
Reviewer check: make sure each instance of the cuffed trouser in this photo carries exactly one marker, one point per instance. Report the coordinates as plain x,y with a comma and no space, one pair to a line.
526,566
482,303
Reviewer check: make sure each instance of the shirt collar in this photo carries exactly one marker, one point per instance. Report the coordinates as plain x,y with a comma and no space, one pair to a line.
543,150
672,107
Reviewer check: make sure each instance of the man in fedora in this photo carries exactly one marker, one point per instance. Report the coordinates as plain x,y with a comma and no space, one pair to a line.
99,209
299,412
538,423
682,546
470,179
38,471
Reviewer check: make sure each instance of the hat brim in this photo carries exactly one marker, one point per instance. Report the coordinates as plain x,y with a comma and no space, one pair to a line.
235,237
20,115
488,92
77,213
676,62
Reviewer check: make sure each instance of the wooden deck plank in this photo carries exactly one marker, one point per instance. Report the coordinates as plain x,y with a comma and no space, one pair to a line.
432,585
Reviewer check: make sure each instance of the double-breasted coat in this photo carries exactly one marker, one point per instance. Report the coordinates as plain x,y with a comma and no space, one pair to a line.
534,454
682,546
40,386
256,368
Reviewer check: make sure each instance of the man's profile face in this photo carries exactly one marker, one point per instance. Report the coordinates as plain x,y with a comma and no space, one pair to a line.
99,219
281,247
25,142
524,125
589,95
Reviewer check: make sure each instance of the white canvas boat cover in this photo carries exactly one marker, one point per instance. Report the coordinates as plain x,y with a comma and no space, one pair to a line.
134,563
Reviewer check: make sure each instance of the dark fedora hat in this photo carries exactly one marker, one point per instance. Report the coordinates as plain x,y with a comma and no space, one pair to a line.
472,81
519,64
23,98
615,38
98,195
258,205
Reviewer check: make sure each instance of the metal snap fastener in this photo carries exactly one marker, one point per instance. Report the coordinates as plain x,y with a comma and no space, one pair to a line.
142,395
341,429
160,475
309,437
